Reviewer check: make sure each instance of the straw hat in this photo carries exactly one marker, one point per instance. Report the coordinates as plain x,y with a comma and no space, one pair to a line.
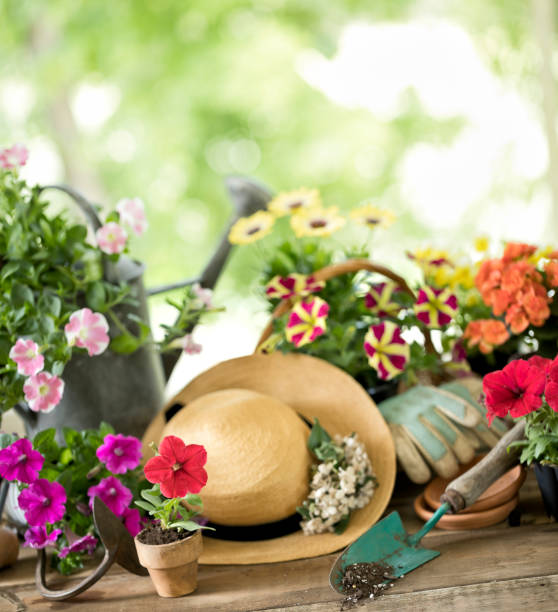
250,414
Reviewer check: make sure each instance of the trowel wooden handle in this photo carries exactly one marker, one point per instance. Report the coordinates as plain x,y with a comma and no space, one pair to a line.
465,490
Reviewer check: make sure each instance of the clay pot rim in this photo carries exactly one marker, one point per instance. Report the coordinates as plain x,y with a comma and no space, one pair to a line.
168,544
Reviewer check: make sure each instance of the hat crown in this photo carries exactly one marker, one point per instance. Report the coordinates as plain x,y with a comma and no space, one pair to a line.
257,460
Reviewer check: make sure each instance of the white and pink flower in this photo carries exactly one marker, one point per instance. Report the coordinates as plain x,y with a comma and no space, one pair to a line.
203,295
87,329
14,157
43,391
189,346
111,238
27,355
132,213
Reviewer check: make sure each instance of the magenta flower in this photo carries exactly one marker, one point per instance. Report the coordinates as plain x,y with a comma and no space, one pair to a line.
27,356
20,462
37,537
379,299
132,213
286,287
189,346
435,307
120,453
111,238
116,496
307,321
43,391
204,295
132,521
43,502
87,543
14,157
387,352
88,330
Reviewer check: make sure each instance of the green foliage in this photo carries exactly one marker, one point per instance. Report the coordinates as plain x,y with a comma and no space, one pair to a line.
541,437
172,513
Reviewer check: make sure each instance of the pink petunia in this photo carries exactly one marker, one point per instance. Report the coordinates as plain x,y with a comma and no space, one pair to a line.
14,157
435,307
132,213
116,496
189,346
88,329
307,321
203,295
20,462
37,537
111,238
86,543
27,356
43,391
132,521
379,300
43,502
120,453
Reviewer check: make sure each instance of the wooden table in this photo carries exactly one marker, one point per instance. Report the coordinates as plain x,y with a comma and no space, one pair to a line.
497,568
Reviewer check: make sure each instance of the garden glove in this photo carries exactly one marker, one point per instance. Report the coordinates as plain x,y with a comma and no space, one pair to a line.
438,428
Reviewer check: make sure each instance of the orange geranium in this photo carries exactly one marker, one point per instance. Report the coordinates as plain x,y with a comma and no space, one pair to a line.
486,334
551,271
518,250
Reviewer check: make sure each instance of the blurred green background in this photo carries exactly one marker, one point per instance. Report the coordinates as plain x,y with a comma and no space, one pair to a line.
434,109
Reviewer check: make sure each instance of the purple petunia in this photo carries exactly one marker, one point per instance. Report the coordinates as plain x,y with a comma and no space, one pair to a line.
120,453
37,537
20,462
116,496
43,502
87,543
132,521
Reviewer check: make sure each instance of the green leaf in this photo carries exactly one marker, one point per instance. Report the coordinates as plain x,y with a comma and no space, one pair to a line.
105,429
340,527
193,500
125,344
145,506
51,304
45,443
318,435
76,233
6,439
70,436
66,456
21,295
9,269
188,525
95,296
152,499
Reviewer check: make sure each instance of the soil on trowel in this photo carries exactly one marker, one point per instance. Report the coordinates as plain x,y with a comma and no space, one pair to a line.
365,581
155,534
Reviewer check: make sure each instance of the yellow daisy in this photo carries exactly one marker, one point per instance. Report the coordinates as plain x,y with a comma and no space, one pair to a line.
317,222
294,201
372,216
252,228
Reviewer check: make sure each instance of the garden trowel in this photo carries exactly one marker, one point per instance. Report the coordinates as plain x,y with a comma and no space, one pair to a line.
388,542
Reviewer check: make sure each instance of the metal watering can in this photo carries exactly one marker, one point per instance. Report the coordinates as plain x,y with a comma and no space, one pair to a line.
127,390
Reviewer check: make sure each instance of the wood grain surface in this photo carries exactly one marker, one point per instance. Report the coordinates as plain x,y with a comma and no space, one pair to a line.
498,568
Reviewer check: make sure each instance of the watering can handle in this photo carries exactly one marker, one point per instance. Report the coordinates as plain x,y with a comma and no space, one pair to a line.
465,490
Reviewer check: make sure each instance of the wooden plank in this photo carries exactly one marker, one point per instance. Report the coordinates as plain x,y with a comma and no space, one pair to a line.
539,593
469,559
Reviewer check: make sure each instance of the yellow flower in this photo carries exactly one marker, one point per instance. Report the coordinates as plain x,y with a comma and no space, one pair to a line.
464,277
317,222
252,228
543,253
294,201
481,244
473,299
372,216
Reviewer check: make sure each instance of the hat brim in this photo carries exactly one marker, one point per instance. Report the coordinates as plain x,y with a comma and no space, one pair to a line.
314,388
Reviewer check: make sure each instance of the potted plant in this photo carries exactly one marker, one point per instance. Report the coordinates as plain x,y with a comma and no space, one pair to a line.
74,328
55,484
528,390
169,547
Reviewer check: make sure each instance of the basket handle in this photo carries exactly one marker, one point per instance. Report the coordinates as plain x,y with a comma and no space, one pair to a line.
338,269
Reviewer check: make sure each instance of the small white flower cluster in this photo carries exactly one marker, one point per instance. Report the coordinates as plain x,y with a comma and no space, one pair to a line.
338,487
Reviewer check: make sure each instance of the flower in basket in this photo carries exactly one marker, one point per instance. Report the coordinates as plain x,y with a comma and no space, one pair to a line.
58,483
173,502
61,295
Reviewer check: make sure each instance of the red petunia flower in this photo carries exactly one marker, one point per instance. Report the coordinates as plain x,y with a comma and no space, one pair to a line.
515,390
551,389
178,468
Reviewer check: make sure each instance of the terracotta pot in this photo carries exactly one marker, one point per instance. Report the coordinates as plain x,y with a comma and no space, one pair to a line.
172,567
